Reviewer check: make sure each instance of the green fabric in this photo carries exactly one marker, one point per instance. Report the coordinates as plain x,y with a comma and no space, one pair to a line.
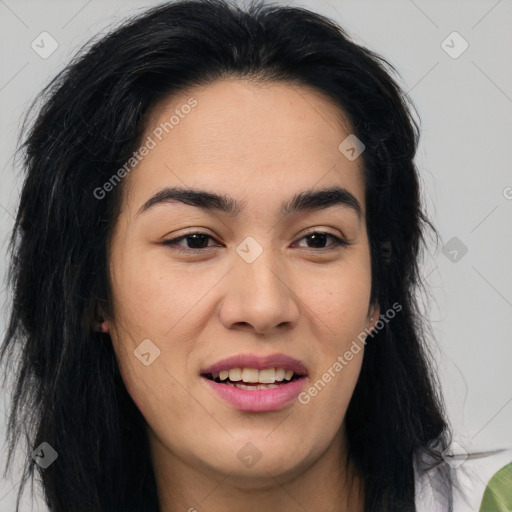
498,493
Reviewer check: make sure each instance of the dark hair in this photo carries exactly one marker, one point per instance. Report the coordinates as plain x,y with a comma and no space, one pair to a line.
68,389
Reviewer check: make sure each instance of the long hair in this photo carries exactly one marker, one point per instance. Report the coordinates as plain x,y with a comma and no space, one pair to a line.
89,120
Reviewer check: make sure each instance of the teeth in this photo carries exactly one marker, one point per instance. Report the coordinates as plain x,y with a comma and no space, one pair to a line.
235,374
267,376
253,388
252,375
280,374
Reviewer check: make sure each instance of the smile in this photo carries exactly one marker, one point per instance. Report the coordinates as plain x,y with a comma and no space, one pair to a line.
255,397
252,378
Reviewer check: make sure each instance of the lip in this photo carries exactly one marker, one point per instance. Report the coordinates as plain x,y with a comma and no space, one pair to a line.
261,400
258,363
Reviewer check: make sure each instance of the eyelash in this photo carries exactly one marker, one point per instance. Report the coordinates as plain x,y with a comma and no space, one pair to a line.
338,242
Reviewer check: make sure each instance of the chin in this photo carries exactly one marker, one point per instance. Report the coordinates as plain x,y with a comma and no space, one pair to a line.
255,464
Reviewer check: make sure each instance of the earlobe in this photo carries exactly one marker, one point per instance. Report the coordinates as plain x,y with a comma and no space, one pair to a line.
102,325
373,315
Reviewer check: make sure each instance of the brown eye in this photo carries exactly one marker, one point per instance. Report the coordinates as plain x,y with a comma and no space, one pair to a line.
318,239
197,240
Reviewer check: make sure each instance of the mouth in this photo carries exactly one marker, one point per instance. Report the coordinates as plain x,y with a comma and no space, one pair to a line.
253,379
256,384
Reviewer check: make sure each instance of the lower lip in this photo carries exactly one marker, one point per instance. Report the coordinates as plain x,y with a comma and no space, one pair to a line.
259,400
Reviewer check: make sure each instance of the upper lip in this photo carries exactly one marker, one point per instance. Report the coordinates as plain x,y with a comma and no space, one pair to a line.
258,362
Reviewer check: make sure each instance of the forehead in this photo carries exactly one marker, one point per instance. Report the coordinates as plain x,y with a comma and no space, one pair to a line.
263,139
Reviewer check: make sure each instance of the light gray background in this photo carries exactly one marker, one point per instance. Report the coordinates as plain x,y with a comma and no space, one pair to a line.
465,105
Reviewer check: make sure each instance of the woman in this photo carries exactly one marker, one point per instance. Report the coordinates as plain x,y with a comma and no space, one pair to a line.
279,363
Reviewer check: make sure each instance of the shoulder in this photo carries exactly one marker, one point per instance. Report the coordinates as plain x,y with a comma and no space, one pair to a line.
462,486
498,493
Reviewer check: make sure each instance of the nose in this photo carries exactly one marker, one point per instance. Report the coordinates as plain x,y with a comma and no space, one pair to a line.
259,296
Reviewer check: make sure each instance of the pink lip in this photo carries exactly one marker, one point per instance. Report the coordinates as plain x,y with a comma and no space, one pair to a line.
261,400
259,363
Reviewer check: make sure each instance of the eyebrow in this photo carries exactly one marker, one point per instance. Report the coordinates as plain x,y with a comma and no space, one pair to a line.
307,200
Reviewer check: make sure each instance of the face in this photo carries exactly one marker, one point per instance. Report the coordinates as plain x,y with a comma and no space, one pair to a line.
281,287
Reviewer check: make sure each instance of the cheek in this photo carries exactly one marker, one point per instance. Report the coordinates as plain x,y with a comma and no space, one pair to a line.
158,292
340,304
150,300
155,388
340,301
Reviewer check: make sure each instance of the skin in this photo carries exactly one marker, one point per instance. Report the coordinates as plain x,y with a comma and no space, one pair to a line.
260,144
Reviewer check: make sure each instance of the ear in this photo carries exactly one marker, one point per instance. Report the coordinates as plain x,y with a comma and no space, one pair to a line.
373,315
102,324
104,327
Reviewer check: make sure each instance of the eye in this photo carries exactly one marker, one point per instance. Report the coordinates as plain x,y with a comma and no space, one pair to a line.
318,238
197,238
199,241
